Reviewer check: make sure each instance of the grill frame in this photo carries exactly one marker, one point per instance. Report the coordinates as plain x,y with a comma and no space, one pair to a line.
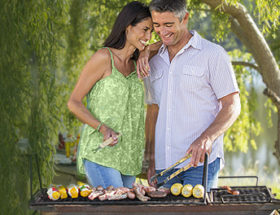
204,206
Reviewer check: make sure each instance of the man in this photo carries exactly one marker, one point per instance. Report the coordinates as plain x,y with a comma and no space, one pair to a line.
193,95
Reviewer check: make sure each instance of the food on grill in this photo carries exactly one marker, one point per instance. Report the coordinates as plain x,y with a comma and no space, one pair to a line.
123,189
53,193
99,188
62,190
176,189
73,191
198,191
164,189
157,194
120,193
149,189
231,191
131,195
187,190
111,187
85,190
106,195
95,194
140,192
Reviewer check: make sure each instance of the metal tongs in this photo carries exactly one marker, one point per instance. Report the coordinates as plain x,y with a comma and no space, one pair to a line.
104,144
171,168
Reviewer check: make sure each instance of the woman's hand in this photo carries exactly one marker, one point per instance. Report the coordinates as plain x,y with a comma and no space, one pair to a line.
143,67
107,133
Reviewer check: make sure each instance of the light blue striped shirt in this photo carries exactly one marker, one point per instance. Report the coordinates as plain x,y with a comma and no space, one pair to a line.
187,90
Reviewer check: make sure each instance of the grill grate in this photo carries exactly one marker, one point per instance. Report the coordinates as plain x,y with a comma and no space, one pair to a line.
248,194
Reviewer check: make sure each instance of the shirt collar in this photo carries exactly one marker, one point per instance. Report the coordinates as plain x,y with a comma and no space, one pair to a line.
195,42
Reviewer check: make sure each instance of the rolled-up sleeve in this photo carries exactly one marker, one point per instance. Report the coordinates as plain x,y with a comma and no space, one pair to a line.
222,77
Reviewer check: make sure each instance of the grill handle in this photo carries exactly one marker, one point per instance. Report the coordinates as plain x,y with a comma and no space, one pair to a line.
205,175
240,177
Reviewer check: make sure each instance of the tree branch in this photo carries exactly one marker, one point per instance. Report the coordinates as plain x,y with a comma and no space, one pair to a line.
247,64
273,96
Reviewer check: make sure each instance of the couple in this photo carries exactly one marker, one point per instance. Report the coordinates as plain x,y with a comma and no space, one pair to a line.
191,93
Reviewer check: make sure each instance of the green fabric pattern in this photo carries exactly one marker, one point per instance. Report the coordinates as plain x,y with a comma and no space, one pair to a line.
118,102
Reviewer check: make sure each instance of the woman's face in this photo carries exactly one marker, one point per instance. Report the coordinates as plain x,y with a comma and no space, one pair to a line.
140,34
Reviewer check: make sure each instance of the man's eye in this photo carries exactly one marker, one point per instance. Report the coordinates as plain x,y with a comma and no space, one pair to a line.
169,25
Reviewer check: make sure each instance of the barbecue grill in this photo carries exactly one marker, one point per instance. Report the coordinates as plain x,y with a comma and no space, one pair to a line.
251,200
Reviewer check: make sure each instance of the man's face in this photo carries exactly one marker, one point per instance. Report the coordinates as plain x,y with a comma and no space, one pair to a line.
169,27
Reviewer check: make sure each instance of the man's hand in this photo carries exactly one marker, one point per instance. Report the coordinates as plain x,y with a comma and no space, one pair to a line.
143,66
198,149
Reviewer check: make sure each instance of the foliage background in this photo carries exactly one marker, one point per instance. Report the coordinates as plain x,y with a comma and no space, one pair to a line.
44,45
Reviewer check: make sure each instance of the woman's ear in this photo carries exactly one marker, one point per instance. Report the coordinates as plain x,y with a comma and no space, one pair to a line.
128,28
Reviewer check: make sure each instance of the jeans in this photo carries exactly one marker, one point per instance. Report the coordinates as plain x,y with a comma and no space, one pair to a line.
194,176
105,176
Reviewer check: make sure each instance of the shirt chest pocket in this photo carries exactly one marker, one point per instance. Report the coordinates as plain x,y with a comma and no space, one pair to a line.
156,82
193,77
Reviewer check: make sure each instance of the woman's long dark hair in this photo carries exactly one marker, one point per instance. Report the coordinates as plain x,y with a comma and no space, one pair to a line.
133,13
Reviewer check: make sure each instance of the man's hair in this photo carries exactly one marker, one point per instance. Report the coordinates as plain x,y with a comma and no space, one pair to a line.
178,7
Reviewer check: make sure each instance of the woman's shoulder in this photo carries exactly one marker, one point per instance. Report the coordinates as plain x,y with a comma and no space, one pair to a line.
102,54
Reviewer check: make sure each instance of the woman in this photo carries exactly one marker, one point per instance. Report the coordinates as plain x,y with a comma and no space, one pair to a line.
115,103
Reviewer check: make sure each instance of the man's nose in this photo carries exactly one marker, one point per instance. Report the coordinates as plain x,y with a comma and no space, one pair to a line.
161,30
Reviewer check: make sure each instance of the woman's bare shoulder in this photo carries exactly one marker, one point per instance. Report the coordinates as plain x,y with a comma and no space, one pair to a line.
102,55
100,60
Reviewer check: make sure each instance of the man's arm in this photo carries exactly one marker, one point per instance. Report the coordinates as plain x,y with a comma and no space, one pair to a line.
228,114
143,67
151,119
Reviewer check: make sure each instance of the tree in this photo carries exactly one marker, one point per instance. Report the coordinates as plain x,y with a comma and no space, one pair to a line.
44,45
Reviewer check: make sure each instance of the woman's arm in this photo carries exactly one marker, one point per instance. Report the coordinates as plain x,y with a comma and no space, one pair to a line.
143,67
97,67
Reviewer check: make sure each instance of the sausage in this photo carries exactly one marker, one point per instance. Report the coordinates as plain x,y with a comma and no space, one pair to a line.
139,194
164,189
157,194
131,195
231,191
99,188
149,189
109,188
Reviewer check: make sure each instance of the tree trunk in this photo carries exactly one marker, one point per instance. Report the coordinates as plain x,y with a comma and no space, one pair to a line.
247,31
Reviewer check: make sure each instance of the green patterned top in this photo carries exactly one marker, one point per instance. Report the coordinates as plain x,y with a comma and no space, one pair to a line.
118,102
